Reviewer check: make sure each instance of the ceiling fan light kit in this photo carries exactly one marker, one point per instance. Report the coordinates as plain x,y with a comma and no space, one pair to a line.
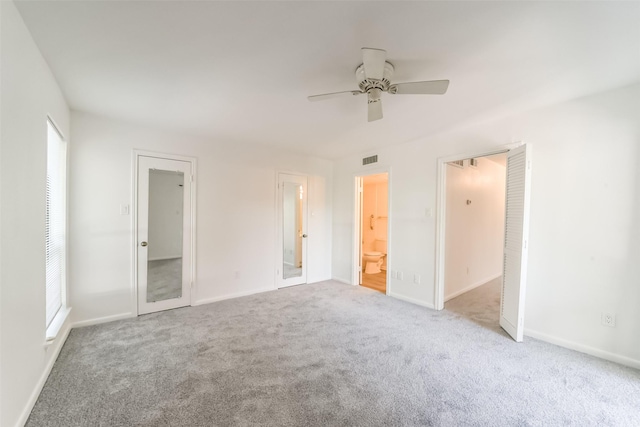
374,77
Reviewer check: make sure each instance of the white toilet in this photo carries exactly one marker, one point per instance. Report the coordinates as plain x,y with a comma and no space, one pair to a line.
373,260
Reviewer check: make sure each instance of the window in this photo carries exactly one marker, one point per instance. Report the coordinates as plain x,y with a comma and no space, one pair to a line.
55,228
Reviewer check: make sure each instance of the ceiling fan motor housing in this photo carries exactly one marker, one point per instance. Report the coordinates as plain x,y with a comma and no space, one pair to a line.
366,85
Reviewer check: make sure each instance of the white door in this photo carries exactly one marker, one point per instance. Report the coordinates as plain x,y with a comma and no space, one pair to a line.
514,277
163,234
360,223
292,230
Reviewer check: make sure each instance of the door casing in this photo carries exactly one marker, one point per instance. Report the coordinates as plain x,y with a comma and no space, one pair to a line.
134,220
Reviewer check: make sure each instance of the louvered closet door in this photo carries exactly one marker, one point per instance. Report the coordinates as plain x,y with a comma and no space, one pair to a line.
514,277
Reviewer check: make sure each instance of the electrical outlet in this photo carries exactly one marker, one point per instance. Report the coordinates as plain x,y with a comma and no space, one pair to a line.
400,275
416,279
608,319
393,274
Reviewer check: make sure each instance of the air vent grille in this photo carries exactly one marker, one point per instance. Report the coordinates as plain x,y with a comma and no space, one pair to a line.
457,163
369,160
473,163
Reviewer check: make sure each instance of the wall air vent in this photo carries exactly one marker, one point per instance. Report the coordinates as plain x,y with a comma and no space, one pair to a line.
473,163
457,163
369,160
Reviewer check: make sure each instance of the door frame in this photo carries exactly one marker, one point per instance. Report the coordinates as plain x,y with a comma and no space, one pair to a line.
441,212
136,154
279,271
356,267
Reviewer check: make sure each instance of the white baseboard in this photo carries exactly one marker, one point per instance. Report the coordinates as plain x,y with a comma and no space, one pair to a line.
623,360
231,296
54,348
341,280
105,319
412,300
472,286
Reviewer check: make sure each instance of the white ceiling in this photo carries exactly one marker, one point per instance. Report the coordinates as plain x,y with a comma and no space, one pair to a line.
241,71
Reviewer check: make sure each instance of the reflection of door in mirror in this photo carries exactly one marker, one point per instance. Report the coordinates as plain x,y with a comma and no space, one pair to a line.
164,262
292,214
292,231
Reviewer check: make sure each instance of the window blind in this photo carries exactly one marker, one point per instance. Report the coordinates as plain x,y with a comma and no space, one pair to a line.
55,223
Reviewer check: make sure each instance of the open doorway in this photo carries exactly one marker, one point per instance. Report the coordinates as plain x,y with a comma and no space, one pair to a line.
374,229
515,239
474,237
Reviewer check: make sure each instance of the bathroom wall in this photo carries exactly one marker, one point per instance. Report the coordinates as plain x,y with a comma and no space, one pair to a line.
374,202
474,232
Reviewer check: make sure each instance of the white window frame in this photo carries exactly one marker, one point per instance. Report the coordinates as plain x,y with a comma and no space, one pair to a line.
54,321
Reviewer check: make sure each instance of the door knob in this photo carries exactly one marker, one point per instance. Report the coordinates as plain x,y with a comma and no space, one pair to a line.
304,235
143,244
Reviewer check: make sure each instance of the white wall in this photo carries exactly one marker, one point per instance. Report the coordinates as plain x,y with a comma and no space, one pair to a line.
374,202
474,232
236,216
29,94
584,234
368,210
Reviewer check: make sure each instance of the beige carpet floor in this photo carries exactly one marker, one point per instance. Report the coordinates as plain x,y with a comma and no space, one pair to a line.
326,354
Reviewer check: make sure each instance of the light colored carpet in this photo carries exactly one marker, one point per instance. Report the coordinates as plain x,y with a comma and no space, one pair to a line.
326,354
480,305
164,279
289,271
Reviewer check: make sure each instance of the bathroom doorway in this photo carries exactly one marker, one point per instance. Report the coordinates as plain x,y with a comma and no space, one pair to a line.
374,230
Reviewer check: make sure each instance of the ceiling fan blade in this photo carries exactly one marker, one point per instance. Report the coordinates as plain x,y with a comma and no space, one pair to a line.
375,110
373,60
433,87
324,96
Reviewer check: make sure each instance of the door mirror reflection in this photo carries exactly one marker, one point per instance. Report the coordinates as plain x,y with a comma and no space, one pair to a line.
292,230
164,265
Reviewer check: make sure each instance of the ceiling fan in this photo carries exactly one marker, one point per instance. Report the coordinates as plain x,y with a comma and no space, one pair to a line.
374,77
